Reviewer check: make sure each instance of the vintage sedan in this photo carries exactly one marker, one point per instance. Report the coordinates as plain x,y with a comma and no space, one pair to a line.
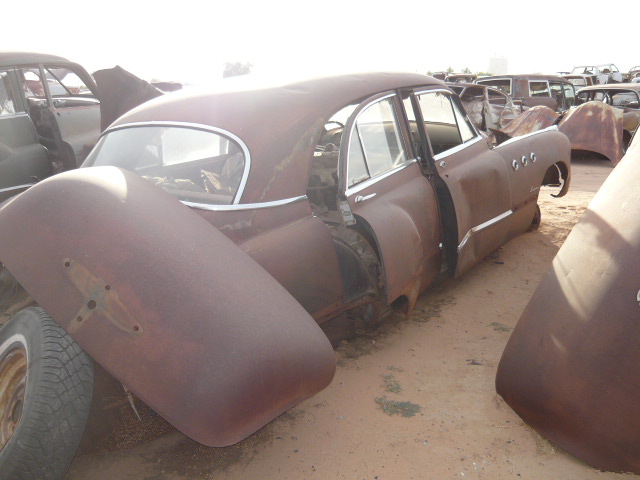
210,235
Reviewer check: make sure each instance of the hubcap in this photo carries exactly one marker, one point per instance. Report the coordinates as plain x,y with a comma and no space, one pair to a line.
13,379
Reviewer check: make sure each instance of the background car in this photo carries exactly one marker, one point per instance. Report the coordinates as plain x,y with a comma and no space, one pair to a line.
214,241
49,118
551,91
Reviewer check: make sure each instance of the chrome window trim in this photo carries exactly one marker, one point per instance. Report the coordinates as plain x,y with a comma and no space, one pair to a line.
350,189
483,226
537,132
16,187
14,115
244,206
198,126
371,181
539,81
463,145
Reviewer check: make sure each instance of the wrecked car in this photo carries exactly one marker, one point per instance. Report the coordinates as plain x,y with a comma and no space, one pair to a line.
600,74
205,257
488,108
551,91
571,366
49,118
461,78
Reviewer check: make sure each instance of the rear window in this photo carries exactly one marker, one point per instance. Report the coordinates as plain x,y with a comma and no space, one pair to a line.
199,166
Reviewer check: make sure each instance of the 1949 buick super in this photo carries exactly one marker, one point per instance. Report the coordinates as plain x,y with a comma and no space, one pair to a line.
209,236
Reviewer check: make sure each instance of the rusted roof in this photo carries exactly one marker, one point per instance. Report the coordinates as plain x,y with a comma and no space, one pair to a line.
612,86
22,58
279,122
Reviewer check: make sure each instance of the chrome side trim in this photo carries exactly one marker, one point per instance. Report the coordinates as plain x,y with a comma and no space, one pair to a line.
198,126
483,226
16,187
244,206
537,132
367,183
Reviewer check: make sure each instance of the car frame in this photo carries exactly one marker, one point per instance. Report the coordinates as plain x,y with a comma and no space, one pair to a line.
266,211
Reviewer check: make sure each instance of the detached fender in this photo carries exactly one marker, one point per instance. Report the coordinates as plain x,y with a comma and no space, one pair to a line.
165,302
571,366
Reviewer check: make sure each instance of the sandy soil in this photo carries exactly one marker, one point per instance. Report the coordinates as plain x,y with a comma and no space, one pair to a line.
414,401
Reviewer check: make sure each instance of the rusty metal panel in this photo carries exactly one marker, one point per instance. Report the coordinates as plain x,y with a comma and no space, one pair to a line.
571,368
595,127
531,120
165,302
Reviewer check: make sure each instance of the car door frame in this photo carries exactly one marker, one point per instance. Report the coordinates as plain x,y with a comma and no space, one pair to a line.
398,209
471,171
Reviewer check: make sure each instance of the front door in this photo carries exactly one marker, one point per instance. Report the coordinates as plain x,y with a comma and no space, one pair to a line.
477,178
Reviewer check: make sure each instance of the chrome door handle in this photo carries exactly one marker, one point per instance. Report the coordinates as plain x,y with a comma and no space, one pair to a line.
360,198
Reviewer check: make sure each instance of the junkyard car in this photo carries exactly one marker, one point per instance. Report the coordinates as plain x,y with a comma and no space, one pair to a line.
601,74
571,366
552,91
49,118
623,96
488,108
320,202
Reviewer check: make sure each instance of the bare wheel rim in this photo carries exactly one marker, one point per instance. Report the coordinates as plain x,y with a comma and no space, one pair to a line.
13,379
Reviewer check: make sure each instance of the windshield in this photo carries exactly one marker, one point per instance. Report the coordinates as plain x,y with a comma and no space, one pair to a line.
199,166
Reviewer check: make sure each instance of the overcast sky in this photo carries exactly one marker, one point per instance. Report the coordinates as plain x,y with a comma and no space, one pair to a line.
189,41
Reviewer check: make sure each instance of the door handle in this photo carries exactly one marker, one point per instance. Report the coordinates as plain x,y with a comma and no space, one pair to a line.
360,198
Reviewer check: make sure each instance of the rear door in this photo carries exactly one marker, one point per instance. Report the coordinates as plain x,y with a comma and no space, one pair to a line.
477,178
23,161
390,197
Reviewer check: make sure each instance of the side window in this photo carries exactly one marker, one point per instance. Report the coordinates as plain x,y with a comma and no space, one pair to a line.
31,83
503,84
63,82
376,144
538,89
496,98
8,99
569,94
555,89
445,124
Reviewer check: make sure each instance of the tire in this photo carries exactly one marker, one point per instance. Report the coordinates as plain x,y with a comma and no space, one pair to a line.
535,222
46,385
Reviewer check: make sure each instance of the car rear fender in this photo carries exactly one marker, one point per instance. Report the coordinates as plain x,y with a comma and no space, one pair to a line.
164,301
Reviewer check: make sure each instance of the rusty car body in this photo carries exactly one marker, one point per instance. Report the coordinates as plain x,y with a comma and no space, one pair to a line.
594,128
49,118
220,228
571,366
488,108
551,91
623,96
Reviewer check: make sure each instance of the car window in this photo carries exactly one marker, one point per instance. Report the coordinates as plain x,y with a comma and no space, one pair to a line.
496,98
32,83
624,100
8,99
538,89
200,166
375,146
569,94
64,82
501,84
445,124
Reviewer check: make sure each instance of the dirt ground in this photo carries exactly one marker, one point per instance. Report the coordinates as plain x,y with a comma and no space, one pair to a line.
414,401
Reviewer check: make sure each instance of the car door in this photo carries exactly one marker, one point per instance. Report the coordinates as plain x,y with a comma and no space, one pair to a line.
75,107
477,178
23,161
387,195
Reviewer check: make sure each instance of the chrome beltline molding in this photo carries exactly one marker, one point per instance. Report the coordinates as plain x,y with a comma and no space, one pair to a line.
245,206
483,226
16,187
